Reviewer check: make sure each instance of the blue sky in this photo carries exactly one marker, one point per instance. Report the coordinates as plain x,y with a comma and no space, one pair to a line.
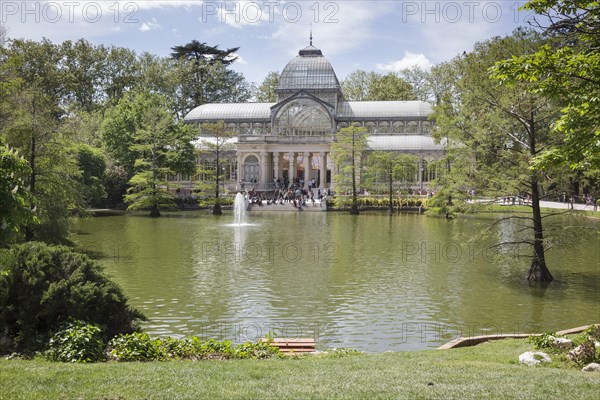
370,35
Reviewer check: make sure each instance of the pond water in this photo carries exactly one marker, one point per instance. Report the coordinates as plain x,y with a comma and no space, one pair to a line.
373,282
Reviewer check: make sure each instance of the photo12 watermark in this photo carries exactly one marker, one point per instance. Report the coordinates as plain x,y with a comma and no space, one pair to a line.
260,12
240,332
439,332
257,252
27,12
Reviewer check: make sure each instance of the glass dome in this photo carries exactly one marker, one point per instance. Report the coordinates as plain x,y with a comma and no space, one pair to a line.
303,117
308,70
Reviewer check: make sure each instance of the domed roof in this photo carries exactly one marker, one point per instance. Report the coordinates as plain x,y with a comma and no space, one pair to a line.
308,70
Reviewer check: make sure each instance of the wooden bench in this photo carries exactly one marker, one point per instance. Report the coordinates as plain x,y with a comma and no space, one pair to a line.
294,345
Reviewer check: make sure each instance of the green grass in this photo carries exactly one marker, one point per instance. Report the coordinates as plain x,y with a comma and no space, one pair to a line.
490,370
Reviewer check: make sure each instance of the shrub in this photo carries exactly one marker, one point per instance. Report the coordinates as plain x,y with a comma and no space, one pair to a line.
140,347
544,341
258,350
135,347
42,287
79,342
341,352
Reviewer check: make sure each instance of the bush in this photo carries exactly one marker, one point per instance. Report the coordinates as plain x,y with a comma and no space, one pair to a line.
544,341
135,347
42,287
379,203
140,347
258,350
79,342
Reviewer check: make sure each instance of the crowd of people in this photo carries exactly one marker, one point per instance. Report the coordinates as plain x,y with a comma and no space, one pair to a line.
294,193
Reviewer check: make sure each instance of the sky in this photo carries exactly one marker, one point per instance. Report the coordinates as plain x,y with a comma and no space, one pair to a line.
371,35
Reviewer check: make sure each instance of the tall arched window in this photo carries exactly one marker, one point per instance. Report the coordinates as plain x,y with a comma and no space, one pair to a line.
302,117
251,171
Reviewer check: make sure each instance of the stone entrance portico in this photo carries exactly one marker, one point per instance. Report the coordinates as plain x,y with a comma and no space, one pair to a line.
260,165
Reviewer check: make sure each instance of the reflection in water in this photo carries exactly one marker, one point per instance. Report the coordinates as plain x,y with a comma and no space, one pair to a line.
374,282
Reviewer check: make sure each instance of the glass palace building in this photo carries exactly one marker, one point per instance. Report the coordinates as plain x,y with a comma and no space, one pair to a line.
292,137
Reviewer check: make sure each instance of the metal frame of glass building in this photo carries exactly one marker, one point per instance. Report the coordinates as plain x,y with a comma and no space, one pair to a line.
292,137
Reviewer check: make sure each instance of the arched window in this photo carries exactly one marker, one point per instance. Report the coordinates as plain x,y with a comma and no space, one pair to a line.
426,126
251,171
398,127
371,128
302,117
412,127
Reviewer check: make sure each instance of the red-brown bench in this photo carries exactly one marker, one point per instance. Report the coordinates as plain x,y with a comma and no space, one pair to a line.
294,345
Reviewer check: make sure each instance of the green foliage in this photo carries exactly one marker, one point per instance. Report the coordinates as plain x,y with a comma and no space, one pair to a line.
379,203
592,333
544,341
347,150
207,78
136,346
566,69
141,347
92,164
209,202
32,126
371,86
78,342
215,140
266,90
341,353
390,87
15,211
43,286
259,350
143,137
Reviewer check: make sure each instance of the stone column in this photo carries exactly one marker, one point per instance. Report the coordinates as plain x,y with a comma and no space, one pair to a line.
323,170
264,170
276,166
238,174
292,168
307,168
420,169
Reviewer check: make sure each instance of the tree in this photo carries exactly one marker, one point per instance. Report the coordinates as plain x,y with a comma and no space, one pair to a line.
566,69
215,138
389,166
356,85
15,211
84,67
390,87
266,90
371,86
497,135
154,141
33,128
204,60
42,286
347,151
92,165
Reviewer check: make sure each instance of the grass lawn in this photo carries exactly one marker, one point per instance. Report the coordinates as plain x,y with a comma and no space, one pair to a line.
489,370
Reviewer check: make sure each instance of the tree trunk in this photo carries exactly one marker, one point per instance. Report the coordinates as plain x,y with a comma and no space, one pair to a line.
154,211
538,272
217,207
391,208
354,207
32,176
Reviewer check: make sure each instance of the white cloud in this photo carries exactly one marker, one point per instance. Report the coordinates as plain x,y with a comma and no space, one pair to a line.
409,60
339,27
240,59
150,25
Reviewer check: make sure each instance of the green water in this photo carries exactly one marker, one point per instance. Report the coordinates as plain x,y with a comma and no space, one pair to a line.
371,282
